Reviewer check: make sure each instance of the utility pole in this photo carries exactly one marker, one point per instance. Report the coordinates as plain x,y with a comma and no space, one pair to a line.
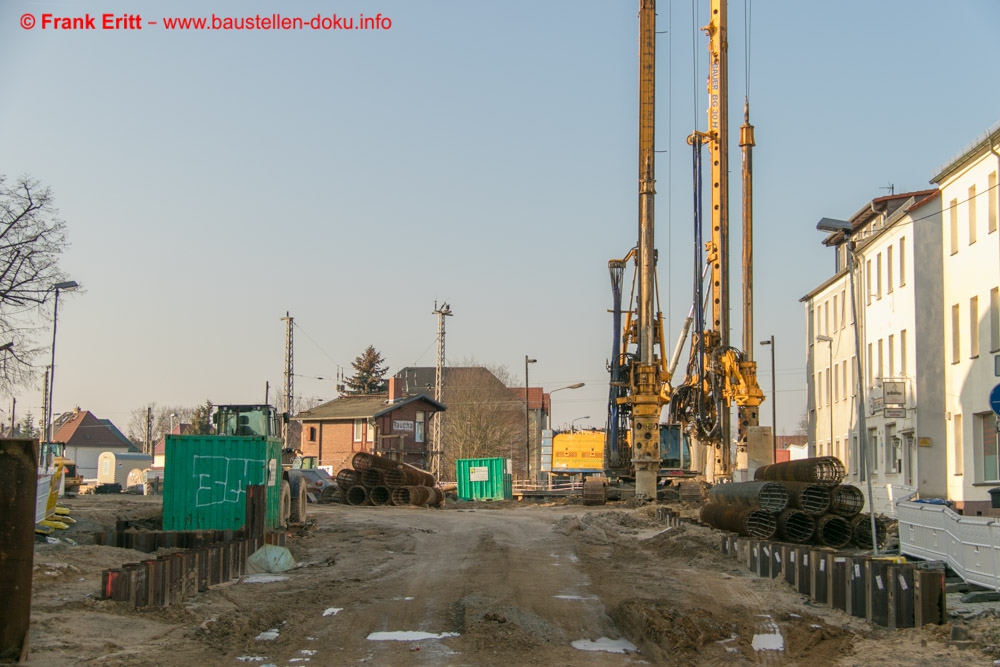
13,421
45,406
436,450
148,444
289,382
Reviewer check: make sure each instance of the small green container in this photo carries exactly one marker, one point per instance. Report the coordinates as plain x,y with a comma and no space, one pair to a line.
205,480
483,479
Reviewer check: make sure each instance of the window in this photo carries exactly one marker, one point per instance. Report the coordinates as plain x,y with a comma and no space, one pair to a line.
826,317
371,431
312,434
878,276
956,350
856,457
868,278
991,203
986,430
819,390
959,461
994,320
892,360
902,353
868,369
880,366
834,312
902,261
843,309
846,388
358,433
888,269
893,449
953,223
854,376
972,215
974,327
418,426
873,444
836,382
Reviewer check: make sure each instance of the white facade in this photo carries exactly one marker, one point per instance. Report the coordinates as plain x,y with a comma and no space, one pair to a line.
971,268
898,305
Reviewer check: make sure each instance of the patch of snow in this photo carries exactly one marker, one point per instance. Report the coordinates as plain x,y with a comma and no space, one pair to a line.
262,579
604,644
407,635
267,635
332,611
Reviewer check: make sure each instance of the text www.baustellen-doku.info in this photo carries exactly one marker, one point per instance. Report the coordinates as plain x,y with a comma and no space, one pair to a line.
52,21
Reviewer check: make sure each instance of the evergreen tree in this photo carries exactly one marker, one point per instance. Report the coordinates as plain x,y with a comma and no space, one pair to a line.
370,372
27,427
201,419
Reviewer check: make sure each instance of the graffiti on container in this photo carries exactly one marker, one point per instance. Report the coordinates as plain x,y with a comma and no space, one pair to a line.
229,486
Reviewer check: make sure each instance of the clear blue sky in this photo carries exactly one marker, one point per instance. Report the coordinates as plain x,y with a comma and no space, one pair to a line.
482,153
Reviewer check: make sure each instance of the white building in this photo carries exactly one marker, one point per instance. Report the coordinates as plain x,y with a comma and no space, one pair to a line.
971,270
899,306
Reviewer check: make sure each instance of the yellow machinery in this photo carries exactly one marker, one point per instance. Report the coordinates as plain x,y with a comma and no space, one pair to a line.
578,452
718,374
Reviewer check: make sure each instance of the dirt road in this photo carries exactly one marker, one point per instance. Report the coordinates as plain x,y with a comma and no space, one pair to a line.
486,585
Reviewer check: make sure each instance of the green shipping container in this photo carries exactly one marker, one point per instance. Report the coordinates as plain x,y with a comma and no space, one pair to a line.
205,480
483,479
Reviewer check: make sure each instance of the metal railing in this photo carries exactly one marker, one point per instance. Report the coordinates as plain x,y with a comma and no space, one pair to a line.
522,486
970,545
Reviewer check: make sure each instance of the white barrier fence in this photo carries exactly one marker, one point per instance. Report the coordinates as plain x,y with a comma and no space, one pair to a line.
970,545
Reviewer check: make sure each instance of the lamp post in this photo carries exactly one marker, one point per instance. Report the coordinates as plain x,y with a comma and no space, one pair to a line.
842,229
58,287
829,389
572,386
575,421
774,404
173,415
527,424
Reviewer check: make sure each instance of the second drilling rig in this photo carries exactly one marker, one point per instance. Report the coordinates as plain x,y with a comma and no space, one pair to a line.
718,375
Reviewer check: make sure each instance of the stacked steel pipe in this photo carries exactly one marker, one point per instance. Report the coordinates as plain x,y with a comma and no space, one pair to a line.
799,501
377,480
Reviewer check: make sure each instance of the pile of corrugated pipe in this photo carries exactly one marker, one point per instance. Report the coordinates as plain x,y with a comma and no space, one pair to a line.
377,480
801,501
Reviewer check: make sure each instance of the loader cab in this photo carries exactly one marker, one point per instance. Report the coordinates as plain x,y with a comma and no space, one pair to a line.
248,420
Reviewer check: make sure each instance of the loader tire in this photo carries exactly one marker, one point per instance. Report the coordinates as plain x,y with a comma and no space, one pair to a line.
285,503
299,501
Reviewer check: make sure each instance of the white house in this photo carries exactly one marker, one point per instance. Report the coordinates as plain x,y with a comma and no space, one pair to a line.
898,302
970,258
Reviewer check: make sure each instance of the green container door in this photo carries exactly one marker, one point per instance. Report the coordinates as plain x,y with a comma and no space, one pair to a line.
483,479
205,480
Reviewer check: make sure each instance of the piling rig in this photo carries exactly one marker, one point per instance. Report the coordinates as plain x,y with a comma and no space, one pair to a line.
718,374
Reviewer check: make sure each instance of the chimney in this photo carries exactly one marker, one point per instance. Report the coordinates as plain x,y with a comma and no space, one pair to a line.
395,390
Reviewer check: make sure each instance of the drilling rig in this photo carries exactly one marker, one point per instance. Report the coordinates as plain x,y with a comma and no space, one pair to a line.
717,374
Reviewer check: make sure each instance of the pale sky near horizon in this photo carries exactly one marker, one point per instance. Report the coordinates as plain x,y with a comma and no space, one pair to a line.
480,153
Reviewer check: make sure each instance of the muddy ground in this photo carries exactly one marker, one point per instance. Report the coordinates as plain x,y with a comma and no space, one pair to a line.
510,583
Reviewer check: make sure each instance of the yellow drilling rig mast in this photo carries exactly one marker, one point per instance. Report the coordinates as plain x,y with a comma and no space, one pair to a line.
718,374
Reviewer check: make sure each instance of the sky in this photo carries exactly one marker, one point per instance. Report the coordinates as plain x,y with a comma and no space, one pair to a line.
482,154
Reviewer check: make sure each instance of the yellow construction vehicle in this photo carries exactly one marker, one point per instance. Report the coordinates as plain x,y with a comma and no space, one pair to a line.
718,374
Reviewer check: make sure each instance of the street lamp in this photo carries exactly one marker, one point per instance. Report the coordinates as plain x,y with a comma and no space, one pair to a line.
173,415
774,405
58,287
575,421
527,425
842,229
572,386
829,389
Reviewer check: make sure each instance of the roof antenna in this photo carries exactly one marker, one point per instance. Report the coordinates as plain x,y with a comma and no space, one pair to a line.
891,188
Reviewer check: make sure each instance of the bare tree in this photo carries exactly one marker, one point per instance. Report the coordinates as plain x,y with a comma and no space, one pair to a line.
32,238
164,418
485,419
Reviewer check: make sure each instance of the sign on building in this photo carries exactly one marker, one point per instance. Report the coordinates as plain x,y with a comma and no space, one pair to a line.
402,425
894,392
894,413
479,474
